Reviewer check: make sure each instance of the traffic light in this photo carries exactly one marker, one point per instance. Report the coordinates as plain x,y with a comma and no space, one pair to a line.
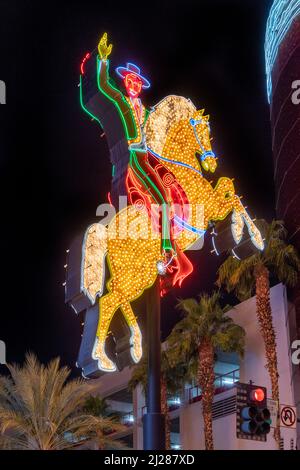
257,395
255,421
253,416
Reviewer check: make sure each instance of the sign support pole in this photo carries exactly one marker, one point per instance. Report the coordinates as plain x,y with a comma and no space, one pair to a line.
154,420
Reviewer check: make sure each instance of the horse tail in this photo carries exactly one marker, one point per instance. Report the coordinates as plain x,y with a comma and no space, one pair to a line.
94,251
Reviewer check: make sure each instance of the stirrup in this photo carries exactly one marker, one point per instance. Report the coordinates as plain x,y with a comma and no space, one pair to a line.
162,265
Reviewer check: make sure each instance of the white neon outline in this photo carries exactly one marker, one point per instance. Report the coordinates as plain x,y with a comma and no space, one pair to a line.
281,16
132,349
215,249
82,288
96,358
235,255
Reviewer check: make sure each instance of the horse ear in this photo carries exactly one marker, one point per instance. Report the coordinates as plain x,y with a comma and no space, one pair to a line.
206,118
200,112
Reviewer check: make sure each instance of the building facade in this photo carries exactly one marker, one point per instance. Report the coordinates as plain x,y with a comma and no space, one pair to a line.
282,51
185,406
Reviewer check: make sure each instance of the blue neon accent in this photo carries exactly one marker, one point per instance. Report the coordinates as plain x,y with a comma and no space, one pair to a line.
194,122
183,224
175,162
208,153
205,153
281,16
132,68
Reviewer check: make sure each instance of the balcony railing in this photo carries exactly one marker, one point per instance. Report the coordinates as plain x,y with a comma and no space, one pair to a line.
174,403
221,384
128,419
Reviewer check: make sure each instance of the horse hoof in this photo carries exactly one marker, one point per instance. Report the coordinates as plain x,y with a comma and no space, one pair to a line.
136,345
104,363
257,240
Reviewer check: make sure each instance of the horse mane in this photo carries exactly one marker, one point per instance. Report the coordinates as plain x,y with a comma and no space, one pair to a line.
163,116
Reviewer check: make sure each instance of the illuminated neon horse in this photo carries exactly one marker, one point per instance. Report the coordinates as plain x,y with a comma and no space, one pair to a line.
179,135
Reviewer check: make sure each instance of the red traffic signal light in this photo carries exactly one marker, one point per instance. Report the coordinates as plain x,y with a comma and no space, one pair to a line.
257,394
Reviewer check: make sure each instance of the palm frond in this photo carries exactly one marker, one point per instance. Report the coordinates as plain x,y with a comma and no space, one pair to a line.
39,409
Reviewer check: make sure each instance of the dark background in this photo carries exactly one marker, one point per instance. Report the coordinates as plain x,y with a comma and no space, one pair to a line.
55,168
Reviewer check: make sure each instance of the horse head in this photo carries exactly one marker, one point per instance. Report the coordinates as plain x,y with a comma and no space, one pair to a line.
176,129
202,141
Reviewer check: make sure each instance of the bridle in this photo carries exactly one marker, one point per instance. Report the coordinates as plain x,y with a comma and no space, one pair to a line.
205,153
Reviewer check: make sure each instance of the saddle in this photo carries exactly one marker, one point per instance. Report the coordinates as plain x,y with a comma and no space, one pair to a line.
180,267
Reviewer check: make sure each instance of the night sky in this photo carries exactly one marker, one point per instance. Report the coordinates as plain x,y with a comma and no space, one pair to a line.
55,167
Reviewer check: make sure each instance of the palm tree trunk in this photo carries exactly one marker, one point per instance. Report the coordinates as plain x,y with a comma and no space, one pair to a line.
165,412
206,379
264,316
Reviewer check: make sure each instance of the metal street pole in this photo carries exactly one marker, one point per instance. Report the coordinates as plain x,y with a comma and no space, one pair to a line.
154,420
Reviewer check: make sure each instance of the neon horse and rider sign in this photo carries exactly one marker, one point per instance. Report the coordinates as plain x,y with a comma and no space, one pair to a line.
160,159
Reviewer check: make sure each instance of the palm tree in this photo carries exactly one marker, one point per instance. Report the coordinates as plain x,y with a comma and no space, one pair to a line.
40,410
172,379
244,277
196,338
97,406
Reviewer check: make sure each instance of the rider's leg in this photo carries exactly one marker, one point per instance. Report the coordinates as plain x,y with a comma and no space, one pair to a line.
149,179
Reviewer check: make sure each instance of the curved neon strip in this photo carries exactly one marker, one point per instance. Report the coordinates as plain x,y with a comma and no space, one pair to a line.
215,248
82,104
86,57
235,255
281,16
175,162
181,223
209,153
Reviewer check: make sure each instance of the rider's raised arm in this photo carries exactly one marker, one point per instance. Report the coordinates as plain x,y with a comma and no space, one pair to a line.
104,82
111,91
103,71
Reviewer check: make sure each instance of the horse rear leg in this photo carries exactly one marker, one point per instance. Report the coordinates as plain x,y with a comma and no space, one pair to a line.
136,335
108,305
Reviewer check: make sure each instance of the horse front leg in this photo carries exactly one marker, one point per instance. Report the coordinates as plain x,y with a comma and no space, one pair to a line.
227,201
239,217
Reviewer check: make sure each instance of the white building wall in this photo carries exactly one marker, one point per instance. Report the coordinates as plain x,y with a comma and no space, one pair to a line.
251,368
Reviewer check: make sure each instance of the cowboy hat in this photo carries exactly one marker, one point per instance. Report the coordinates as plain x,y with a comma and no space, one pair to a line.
131,68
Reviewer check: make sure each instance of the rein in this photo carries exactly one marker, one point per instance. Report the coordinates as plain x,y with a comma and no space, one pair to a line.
175,162
183,224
